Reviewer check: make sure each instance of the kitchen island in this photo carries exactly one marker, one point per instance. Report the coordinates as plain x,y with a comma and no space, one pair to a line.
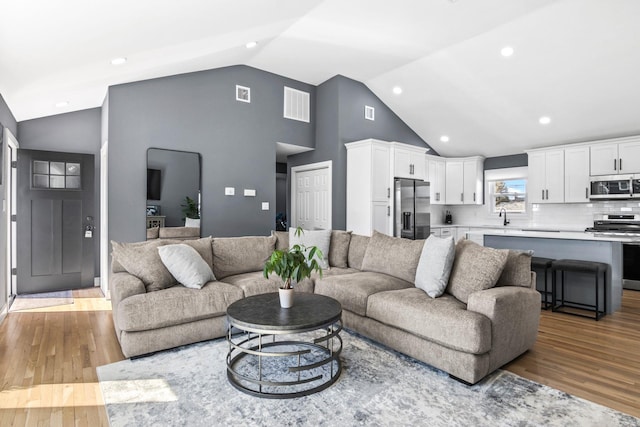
568,245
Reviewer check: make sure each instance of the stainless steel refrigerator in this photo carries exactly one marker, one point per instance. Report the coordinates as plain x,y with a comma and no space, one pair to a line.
412,217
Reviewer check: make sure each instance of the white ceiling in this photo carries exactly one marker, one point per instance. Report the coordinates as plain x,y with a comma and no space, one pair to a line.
576,61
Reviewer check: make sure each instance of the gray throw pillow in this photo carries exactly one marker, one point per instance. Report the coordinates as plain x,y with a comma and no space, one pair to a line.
339,248
434,266
475,268
394,256
143,261
517,269
186,265
308,238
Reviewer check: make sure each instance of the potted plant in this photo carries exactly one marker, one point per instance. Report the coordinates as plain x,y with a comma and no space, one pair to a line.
292,265
190,209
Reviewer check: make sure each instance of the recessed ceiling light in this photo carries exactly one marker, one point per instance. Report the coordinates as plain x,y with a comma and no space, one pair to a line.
507,51
397,90
118,61
251,45
544,120
444,138
62,104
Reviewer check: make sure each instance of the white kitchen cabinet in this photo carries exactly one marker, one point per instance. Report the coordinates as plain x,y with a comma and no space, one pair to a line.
464,181
576,174
546,176
369,202
408,161
448,232
461,233
614,158
437,179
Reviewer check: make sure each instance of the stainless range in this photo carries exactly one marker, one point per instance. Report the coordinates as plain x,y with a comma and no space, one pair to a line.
623,225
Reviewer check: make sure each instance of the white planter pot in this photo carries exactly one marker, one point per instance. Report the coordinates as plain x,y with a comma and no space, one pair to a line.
286,298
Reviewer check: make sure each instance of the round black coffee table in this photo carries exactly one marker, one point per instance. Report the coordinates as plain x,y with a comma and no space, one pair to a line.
282,353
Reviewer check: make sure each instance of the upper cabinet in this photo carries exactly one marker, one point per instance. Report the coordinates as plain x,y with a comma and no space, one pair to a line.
616,157
408,161
463,181
546,176
436,167
576,174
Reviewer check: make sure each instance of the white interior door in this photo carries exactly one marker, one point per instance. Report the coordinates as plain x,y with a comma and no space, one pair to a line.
311,196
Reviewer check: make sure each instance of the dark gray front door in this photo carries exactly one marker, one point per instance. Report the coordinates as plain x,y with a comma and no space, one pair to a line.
54,221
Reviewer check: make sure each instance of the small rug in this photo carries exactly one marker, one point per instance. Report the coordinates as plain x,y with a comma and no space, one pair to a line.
45,299
188,386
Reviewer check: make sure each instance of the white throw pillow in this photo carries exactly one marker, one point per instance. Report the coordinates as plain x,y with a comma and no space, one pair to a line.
434,265
186,265
319,238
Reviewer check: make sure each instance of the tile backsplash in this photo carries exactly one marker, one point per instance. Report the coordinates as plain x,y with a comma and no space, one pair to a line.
566,216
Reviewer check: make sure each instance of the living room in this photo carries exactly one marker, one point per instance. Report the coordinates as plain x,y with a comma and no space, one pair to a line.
446,57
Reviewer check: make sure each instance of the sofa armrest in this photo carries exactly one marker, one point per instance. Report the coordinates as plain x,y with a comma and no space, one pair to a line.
122,286
515,315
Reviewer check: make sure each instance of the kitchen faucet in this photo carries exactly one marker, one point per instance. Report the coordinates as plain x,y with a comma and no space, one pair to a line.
506,221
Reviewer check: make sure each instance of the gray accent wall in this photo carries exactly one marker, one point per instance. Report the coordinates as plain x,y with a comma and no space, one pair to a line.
501,162
6,117
198,112
340,103
76,132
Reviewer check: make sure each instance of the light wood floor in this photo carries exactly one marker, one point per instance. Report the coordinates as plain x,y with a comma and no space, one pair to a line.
48,360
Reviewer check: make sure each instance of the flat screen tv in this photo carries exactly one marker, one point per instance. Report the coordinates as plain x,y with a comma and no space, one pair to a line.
154,180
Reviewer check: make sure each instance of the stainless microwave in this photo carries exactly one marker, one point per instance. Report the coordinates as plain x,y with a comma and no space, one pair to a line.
615,187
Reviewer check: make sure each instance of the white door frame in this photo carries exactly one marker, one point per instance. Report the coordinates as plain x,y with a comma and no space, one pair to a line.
104,219
294,184
10,155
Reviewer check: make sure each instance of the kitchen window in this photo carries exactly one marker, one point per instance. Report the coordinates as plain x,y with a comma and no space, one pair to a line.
507,189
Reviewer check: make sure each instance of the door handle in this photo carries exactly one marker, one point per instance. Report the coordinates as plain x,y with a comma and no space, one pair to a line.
388,210
614,165
388,192
547,194
462,197
586,193
474,196
620,165
542,194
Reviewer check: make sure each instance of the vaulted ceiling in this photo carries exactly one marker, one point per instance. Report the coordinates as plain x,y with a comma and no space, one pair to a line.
574,61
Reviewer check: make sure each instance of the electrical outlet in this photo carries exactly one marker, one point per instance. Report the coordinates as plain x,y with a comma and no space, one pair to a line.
249,192
229,191
265,206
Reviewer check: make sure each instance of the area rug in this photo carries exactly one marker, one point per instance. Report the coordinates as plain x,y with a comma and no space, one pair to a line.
188,386
41,300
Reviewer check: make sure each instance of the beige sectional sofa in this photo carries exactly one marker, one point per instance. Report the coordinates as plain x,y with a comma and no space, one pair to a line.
468,335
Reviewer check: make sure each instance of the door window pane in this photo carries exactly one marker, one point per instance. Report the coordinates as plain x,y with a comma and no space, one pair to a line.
41,167
73,169
56,181
57,168
73,182
41,181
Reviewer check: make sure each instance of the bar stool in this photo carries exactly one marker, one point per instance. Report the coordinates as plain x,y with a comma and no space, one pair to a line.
540,263
579,266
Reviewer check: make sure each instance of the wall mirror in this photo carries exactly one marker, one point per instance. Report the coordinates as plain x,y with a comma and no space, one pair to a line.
173,194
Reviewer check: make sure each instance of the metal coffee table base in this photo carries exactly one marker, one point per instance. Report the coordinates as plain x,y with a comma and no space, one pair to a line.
305,367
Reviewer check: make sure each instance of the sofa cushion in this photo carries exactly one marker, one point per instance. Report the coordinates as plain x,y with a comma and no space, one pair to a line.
308,238
237,255
339,248
443,320
153,233
357,248
394,256
352,290
282,239
186,265
174,306
182,233
517,269
143,261
475,268
434,266
254,283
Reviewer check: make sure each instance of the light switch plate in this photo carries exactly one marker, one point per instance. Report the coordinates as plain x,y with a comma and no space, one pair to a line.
229,191
249,192
265,206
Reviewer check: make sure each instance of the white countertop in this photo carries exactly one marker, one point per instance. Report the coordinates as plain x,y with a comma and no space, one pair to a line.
567,235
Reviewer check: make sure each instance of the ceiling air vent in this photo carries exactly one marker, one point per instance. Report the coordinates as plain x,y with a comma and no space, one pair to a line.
296,104
369,113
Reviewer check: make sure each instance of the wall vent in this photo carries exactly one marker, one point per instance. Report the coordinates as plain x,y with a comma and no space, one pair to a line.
296,104
369,113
